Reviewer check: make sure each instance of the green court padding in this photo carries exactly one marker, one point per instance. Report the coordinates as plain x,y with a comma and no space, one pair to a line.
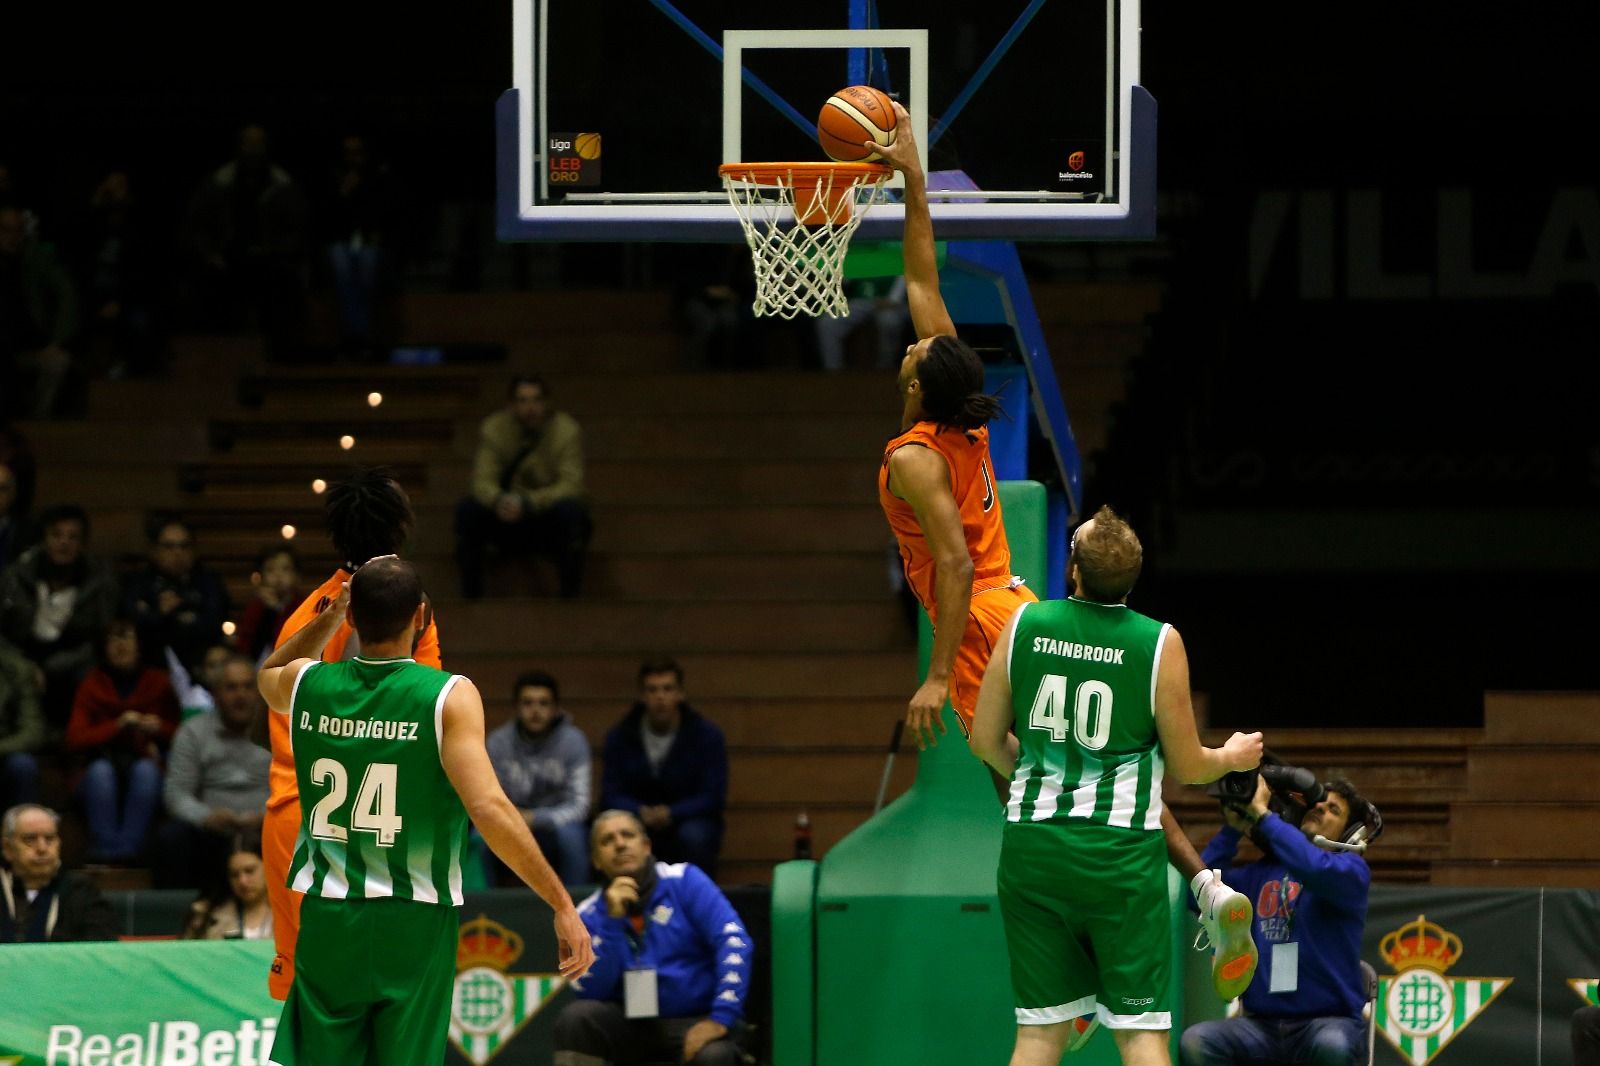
910,960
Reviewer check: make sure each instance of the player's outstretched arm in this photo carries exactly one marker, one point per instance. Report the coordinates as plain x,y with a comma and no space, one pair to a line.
992,720
277,675
466,764
921,477
928,313
1186,759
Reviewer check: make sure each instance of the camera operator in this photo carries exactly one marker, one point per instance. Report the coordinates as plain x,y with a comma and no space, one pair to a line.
1303,1007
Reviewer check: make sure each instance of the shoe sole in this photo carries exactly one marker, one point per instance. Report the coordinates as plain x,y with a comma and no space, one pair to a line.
1233,963
1082,1035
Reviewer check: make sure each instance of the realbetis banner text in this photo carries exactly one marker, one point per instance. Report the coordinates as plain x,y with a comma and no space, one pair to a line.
173,1003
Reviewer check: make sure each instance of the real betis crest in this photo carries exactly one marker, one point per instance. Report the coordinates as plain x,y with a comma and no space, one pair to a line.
1588,989
490,1004
1420,1010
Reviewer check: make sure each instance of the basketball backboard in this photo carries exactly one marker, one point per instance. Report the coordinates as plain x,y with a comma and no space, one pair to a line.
621,111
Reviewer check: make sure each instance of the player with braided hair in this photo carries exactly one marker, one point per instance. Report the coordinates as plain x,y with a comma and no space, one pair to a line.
367,516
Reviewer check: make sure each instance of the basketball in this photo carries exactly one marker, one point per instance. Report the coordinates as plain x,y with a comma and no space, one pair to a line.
851,117
587,145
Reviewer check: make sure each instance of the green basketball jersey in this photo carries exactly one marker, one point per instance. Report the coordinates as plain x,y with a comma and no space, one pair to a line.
378,816
1083,687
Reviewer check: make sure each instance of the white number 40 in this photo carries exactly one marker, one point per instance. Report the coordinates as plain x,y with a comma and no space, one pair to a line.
1090,721
374,810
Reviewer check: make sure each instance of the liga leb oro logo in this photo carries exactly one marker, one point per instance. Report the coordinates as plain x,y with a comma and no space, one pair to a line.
1075,161
1588,989
490,1003
1419,1009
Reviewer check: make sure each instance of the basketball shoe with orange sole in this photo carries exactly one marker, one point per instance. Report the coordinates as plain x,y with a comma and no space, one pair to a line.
1225,919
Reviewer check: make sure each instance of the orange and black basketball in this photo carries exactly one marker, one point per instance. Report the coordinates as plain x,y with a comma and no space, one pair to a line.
850,118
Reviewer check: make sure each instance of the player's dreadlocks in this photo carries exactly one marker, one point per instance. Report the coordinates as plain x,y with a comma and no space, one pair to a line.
367,514
952,385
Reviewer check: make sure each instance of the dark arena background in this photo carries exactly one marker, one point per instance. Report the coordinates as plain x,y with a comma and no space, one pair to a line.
1346,396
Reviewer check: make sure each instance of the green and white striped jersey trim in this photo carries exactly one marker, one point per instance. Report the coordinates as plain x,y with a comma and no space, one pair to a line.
1055,800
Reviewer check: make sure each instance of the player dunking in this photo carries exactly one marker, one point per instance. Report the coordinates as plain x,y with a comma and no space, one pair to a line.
937,491
367,515
392,754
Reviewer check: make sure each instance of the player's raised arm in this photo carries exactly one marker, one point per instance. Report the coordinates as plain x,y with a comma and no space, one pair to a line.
466,764
276,678
929,316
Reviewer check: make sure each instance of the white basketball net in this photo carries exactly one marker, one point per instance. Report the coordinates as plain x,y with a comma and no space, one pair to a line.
800,267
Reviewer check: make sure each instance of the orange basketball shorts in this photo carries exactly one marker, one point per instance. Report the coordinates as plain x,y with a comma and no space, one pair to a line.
988,614
279,831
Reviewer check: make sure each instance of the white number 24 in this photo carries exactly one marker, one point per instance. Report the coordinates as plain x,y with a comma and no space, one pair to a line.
1090,720
374,809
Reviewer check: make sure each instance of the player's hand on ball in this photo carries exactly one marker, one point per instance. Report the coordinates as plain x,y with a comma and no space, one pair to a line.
573,945
620,895
902,154
922,714
1243,751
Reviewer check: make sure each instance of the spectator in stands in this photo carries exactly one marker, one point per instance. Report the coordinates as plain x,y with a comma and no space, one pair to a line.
123,718
714,288
276,580
21,727
55,602
360,216
881,301
675,924
176,602
247,229
17,531
39,901
669,765
1311,905
17,456
120,276
216,784
542,761
527,490
38,320
197,692
242,911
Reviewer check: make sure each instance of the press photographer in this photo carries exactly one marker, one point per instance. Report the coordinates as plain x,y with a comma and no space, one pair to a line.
1303,1007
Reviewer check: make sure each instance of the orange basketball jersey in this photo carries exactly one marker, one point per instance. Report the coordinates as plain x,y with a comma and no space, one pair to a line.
966,452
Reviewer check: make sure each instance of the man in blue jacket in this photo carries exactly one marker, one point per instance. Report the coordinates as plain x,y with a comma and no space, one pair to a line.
669,765
1303,1008
672,962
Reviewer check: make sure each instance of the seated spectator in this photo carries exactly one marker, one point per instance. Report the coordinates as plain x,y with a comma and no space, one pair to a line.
39,901
360,212
38,320
542,761
240,913
197,692
276,580
55,601
527,490
120,267
1304,1012
176,602
881,301
216,784
21,728
667,764
123,718
17,530
672,923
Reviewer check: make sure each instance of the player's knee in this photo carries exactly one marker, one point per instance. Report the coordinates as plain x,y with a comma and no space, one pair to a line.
1192,1047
